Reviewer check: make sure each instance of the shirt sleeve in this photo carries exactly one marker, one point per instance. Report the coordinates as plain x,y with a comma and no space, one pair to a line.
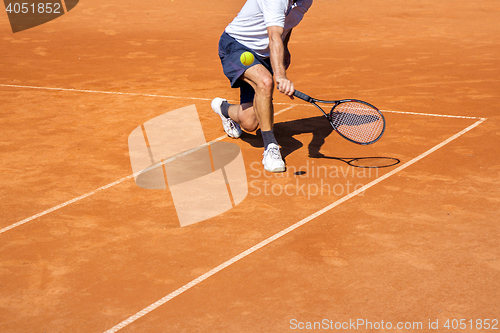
297,13
274,12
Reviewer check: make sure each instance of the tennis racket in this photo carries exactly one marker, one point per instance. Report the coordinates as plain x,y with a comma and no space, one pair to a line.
355,120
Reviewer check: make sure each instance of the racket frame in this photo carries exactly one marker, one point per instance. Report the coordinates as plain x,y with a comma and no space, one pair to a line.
336,103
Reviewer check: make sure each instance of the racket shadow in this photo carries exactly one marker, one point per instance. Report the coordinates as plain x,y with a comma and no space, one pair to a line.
364,162
320,129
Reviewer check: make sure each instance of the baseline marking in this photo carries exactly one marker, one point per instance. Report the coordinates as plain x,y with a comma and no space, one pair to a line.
109,92
198,98
101,92
434,115
282,233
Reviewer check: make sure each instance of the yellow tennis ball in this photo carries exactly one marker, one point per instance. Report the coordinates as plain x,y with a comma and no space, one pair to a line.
247,58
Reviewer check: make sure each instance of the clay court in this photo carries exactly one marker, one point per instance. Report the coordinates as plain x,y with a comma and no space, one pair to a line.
84,249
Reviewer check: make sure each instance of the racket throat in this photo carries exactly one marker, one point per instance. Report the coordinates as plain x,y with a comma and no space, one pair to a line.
326,115
334,117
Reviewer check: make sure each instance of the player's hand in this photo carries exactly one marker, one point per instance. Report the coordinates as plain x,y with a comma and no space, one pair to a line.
285,86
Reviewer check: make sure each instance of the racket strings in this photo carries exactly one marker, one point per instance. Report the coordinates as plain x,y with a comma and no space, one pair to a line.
357,121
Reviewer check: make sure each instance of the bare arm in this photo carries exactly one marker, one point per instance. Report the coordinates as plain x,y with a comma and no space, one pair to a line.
277,51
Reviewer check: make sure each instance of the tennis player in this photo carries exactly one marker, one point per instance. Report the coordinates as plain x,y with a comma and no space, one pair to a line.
262,27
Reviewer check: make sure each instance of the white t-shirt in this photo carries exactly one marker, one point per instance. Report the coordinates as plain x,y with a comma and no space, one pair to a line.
250,25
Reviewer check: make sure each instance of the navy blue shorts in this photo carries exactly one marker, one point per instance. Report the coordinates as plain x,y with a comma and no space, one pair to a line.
229,53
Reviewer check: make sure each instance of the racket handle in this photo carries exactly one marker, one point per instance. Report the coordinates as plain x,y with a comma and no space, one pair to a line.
302,96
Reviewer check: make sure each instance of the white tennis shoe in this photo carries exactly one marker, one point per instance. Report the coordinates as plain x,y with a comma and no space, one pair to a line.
273,162
231,128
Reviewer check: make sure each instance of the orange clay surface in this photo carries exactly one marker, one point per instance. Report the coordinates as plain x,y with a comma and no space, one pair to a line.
420,245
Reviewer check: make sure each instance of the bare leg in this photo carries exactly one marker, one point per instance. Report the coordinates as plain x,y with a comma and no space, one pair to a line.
259,112
244,115
262,82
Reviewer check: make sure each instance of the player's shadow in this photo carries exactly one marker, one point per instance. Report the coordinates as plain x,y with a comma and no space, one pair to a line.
320,129
285,132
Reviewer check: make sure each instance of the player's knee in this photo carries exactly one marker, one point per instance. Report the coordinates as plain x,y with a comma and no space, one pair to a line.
249,122
250,125
266,85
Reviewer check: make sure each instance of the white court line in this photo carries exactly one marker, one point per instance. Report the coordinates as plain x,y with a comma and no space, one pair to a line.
29,219
284,110
110,92
198,98
434,115
100,92
259,245
69,202
26,220
282,233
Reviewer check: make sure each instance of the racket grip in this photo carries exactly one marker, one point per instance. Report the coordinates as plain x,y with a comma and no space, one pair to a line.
302,96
